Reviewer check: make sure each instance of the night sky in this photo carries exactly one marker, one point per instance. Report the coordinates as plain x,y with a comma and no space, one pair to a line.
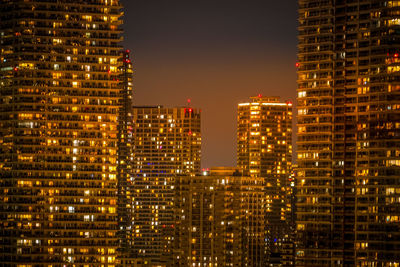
217,53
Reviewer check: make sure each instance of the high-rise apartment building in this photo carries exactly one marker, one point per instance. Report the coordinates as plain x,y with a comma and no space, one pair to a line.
59,103
220,219
264,149
166,143
348,133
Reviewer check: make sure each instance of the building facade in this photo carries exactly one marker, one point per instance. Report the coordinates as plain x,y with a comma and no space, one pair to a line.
59,102
264,149
124,163
166,143
219,219
348,133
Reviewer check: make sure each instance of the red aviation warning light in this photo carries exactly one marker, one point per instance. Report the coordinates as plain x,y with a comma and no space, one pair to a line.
259,95
297,64
126,54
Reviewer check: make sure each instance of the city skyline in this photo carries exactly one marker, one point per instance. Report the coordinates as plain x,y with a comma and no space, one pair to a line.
105,159
216,53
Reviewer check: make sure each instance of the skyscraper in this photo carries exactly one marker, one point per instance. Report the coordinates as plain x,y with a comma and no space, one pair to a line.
59,103
264,149
166,143
348,133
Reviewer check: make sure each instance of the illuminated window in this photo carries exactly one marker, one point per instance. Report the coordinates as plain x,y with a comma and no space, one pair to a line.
57,41
302,94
